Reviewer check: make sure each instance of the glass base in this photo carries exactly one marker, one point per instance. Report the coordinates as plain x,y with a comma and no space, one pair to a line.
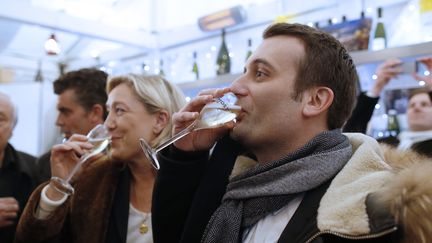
150,154
61,185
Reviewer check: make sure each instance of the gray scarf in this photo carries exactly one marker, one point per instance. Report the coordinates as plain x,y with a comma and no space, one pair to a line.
268,187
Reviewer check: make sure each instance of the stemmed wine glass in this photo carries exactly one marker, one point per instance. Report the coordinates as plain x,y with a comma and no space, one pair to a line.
100,138
212,115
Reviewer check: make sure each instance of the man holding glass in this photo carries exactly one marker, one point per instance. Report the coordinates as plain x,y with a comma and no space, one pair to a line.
80,104
310,182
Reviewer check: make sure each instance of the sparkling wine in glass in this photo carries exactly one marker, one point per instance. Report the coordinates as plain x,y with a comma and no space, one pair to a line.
100,138
212,115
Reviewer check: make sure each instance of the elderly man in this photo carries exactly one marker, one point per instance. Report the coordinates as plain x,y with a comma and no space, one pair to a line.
310,182
17,173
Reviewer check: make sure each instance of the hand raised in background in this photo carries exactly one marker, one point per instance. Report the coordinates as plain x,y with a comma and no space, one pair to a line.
385,72
427,61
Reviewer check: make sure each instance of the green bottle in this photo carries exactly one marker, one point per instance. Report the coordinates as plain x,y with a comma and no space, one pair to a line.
195,66
380,40
223,62
249,52
161,71
392,123
39,77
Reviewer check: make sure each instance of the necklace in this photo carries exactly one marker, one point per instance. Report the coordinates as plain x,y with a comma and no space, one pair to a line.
143,229
144,226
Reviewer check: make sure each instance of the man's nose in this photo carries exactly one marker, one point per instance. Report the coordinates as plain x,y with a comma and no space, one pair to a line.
238,86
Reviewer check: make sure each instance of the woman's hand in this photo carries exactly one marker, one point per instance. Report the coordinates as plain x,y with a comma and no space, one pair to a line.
64,158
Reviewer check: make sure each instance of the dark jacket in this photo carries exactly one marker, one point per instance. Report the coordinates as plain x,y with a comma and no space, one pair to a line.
188,191
18,177
44,167
361,114
97,212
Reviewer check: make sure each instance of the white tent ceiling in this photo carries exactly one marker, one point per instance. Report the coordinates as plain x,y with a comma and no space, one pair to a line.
110,29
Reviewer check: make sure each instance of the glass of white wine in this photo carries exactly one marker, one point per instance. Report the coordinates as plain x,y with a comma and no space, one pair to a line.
100,137
212,115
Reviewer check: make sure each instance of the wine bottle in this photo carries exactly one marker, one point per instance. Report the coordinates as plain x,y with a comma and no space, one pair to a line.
380,40
249,51
144,68
195,66
392,123
161,71
39,76
223,60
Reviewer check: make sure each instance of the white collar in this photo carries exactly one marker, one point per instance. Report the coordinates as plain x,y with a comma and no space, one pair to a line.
408,138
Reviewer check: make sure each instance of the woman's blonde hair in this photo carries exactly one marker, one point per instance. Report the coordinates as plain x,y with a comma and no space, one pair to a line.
156,94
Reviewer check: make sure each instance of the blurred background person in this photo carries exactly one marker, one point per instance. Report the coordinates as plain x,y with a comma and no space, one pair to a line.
80,104
112,198
419,116
17,173
366,101
419,111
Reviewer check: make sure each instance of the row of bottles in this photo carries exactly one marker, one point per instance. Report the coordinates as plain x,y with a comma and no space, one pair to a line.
386,125
223,61
378,40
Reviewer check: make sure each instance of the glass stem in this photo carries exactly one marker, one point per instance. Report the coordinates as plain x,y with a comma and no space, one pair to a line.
77,166
176,137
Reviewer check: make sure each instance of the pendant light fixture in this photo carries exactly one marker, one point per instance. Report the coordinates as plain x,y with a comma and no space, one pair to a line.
52,46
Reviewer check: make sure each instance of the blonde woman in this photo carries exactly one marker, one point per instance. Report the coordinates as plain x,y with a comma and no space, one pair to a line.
112,198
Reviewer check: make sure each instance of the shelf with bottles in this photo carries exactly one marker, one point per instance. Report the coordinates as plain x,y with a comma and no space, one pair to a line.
368,56
360,58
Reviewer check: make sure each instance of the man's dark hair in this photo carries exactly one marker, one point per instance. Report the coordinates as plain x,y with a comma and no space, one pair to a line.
326,63
420,91
89,86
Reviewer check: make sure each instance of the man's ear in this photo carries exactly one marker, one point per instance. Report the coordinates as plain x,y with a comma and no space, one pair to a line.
317,100
162,120
97,114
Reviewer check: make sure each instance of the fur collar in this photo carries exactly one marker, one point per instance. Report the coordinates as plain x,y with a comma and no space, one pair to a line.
343,207
400,180
408,194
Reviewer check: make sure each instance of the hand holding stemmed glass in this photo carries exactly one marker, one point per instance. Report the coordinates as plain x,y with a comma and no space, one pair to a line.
67,158
217,113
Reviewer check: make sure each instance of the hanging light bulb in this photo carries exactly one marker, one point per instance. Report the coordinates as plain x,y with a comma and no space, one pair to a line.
51,45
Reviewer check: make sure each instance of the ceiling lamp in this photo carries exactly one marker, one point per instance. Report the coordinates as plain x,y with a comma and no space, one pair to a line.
51,45
222,19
